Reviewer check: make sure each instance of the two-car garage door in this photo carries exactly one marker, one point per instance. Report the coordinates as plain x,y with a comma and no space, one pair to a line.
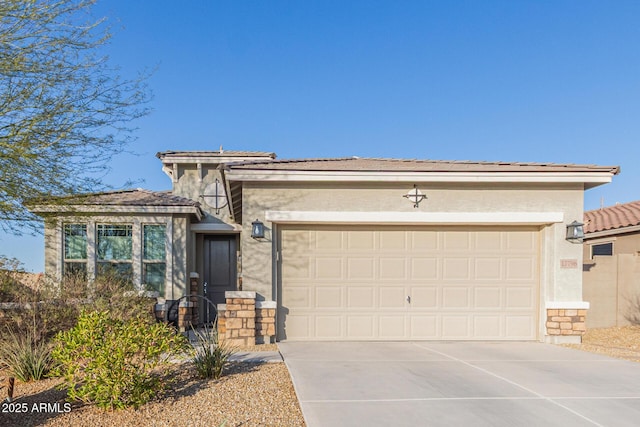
397,283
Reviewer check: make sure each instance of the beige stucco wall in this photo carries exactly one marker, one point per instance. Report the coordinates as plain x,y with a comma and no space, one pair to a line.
612,286
557,284
177,230
190,185
622,244
627,244
612,283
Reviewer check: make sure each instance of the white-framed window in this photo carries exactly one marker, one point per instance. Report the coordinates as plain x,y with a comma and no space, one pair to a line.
75,249
154,255
114,249
602,249
136,250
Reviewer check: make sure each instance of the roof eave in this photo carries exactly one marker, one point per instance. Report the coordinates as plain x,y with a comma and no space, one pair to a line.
116,209
589,179
611,232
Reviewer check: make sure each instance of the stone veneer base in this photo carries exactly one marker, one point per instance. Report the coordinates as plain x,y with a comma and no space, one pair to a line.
243,321
565,325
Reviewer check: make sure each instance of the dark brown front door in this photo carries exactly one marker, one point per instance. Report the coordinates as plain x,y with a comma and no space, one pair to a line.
220,270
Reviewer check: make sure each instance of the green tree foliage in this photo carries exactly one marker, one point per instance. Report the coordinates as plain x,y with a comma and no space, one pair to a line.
64,110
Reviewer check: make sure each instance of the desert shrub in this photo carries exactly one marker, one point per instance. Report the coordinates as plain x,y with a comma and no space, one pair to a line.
11,289
52,306
116,293
210,356
25,357
633,311
115,363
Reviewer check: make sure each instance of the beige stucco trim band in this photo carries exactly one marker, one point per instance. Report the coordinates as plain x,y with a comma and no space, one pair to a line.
207,226
477,218
567,305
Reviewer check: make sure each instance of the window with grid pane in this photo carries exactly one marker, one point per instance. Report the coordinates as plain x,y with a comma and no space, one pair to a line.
114,247
75,249
154,257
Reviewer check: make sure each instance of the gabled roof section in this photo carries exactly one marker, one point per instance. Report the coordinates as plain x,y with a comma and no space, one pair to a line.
372,170
135,197
615,218
172,159
124,201
212,156
355,164
356,169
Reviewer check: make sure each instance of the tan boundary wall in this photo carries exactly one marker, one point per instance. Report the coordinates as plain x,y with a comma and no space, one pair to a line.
612,287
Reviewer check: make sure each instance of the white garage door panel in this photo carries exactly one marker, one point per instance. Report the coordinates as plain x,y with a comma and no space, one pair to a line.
346,282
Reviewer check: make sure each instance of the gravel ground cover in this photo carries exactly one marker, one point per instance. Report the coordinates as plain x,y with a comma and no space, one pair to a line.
621,342
248,395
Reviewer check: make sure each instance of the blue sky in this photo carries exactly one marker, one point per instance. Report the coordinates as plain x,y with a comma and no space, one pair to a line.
543,81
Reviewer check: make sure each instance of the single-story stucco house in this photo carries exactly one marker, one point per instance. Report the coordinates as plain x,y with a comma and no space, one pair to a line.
346,248
612,265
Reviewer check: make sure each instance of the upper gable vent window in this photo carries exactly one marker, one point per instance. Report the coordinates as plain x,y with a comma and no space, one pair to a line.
602,249
215,196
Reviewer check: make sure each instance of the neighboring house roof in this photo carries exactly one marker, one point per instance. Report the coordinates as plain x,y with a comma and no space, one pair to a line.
613,218
412,165
134,200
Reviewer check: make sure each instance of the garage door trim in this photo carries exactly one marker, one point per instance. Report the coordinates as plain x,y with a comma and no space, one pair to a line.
535,282
414,218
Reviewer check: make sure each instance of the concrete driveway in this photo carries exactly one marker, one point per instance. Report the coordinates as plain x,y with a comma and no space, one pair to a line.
461,384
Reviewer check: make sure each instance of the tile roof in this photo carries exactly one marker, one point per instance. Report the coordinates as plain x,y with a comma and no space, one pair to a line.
134,197
220,153
612,217
412,165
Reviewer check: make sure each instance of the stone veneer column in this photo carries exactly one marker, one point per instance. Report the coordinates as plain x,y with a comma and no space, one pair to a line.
566,322
265,321
239,318
194,289
184,315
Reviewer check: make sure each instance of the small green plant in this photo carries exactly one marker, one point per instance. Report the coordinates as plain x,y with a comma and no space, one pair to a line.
115,363
25,357
210,355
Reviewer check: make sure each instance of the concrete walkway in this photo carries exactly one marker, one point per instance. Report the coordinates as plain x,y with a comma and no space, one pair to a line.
461,384
256,357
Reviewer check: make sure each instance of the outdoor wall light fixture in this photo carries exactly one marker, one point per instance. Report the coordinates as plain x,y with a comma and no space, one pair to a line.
257,229
415,196
575,232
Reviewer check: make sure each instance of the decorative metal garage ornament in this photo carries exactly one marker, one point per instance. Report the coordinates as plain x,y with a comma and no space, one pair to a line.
215,196
257,229
575,232
415,196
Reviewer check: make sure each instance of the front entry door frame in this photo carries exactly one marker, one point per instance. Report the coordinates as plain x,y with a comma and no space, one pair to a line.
218,267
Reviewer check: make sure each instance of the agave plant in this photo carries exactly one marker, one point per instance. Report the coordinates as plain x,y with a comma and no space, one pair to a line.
210,356
26,358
